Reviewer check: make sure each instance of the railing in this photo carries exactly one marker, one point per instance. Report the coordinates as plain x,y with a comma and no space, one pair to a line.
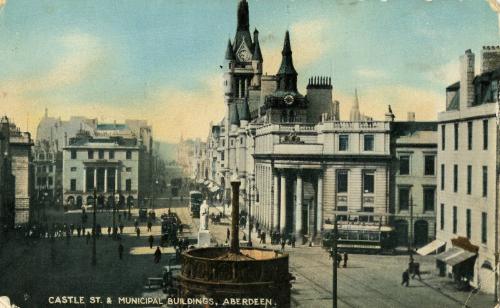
276,128
351,125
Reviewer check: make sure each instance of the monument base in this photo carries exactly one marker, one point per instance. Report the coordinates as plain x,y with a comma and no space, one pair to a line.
204,238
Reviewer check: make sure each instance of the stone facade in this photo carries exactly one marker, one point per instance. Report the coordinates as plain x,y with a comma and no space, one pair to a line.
467,164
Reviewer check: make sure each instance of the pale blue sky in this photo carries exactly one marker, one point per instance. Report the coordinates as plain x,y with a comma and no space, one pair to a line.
144,59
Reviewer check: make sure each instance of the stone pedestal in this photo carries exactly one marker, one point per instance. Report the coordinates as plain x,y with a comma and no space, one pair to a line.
204,238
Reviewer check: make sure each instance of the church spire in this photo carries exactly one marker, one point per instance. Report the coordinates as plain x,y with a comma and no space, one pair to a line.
287,75
243,20
355,115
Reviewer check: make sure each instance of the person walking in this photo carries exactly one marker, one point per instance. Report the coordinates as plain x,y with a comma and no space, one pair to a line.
109,231
283,244
138,231
416,271
293,241
150,225
157,255
120,251
406,278
121,228
339,259
88,237
151,240
228,234
345,259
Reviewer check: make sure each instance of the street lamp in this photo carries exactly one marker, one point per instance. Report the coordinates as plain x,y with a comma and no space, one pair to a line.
115,231
410,241
94,230
155,189
335,261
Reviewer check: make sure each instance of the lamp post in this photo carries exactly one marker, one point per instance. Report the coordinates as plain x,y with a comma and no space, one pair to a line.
129,203
94,230
155,188
45,196
235,185
410,241
114,214
334,258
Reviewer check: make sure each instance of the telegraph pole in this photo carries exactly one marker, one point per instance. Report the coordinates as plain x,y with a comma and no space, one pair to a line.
94,230
410,242
334,257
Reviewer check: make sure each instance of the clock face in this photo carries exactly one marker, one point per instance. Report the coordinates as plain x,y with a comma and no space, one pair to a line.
244,55
288,99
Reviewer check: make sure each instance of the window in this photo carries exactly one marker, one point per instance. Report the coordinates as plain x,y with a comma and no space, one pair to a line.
51,168
90,154
469,179
485,134
455,178
111,154
485,181
443,137
441,218
404,198
368,144
73,169
368,182
484,227
429,194
221,155
128,169
128,154
51,181
343,142
429,162
101,154
442,177
128,185
454,219
468,223
456,136
404,165
73,154
469,135
342,180
73,185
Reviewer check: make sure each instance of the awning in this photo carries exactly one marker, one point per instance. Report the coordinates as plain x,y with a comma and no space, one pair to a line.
454,256
431,247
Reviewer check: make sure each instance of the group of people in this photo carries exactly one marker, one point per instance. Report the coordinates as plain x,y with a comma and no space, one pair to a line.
339,258
413,268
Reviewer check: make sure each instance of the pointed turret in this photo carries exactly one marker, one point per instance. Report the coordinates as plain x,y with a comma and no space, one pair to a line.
257,54
287,75
229,51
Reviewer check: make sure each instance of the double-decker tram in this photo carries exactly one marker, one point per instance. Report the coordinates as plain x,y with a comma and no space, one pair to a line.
195,200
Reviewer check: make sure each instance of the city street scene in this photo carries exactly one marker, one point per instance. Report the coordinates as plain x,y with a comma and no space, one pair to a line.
246,153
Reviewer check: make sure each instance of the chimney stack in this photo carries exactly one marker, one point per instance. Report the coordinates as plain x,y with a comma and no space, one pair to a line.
466,79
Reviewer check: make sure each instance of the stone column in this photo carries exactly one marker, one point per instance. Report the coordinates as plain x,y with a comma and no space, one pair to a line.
95,178
106,180
116,178
276,200
283,205
84,179
319,213
298,209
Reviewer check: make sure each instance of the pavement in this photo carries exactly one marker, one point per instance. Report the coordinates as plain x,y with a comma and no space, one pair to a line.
32,271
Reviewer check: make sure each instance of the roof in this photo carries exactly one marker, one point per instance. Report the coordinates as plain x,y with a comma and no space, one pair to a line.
257,54
111,126
229,51
286,67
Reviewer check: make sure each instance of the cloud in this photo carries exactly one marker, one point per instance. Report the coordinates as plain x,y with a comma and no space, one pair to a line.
309,43
403,99
2,3
369,73
449,73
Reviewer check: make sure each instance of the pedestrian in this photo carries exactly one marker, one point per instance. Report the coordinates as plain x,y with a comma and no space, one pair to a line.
293,241
121,228
150,225
345,259
78,230
138,231
330,253
151,240
283,244
109,231
157,255
416,271
263,237
136,223
88,236
228,234
406,278
120,251
339,259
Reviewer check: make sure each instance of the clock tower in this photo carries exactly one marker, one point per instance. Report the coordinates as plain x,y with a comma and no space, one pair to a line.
286,104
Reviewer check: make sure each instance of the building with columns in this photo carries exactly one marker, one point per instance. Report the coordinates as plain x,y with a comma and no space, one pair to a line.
299,163
111,164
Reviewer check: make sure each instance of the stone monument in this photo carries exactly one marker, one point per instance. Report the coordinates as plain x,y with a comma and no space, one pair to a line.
203,232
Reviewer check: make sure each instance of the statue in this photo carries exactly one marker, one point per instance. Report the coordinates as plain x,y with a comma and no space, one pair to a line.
204,211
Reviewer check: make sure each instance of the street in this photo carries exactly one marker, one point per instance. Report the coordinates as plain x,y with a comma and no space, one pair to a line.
368,280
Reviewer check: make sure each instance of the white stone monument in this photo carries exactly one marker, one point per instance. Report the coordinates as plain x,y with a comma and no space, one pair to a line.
203,233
